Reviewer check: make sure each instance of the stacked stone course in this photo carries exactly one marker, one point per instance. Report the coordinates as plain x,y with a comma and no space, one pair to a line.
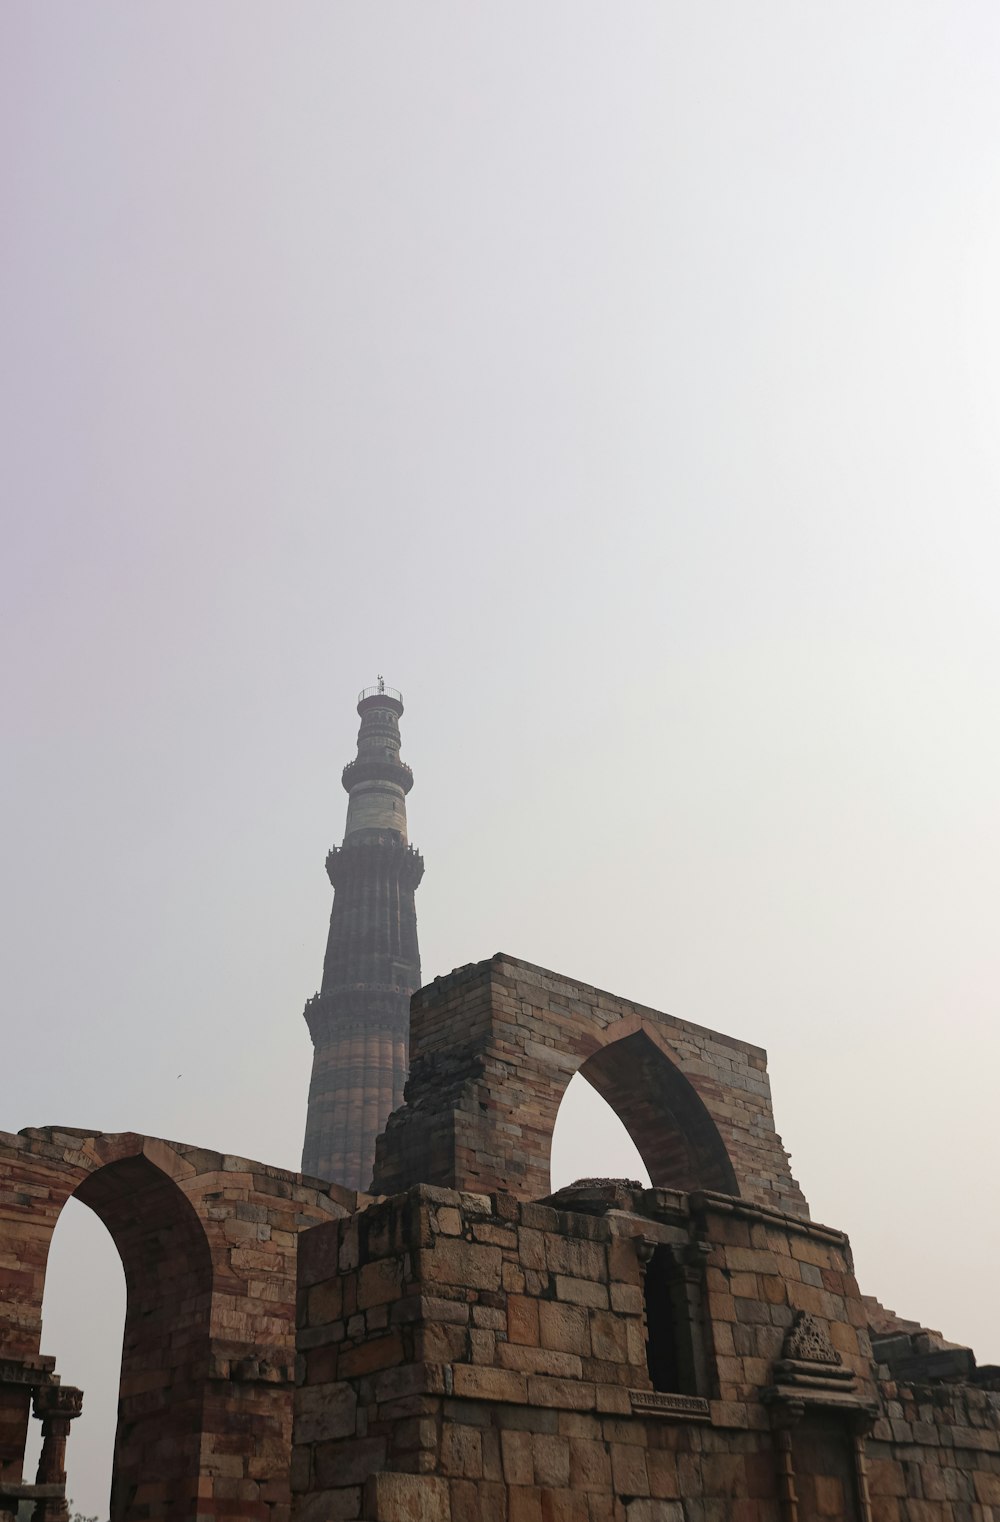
472,1348
500,1347
493,1048
208,1243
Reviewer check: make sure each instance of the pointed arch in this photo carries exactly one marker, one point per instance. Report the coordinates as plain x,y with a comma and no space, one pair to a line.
168,1278
662,1112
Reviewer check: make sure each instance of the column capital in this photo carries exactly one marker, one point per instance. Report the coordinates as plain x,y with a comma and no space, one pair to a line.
49,1401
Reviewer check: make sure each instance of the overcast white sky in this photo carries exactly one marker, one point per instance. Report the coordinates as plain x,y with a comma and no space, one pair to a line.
621,381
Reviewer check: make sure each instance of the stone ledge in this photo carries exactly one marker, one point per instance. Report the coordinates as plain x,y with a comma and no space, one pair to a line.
704,1200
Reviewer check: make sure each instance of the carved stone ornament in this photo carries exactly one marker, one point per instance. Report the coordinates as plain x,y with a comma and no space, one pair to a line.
656,1402
807,1342
64,1401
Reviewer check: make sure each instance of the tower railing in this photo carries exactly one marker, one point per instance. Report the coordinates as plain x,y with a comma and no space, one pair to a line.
380,691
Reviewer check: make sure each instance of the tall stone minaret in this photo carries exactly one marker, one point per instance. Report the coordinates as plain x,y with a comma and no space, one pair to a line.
360,1019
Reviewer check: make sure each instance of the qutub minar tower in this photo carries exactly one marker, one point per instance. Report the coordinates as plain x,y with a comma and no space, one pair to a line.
360,1019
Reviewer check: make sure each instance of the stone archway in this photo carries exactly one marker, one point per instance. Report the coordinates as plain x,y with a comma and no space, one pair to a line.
208,1243
169,1280
493,1048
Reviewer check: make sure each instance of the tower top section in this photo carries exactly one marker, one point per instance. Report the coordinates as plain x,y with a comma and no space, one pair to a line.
377,780
380,696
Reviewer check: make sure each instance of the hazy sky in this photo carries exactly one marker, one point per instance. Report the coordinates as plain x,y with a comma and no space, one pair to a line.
622,382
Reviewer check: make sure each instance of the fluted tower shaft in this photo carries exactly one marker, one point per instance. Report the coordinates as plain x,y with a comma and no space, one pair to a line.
360,1019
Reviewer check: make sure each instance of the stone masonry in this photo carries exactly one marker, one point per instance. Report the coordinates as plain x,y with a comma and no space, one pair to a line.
467,1346
475,1349
208,1243
493,1048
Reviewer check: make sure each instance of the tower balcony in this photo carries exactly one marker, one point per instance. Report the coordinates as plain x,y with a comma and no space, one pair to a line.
381,697
382,855
377,771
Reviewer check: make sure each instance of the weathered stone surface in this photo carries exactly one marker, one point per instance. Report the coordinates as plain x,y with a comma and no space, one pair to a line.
407,1498
697,1102
653,1356
209,1248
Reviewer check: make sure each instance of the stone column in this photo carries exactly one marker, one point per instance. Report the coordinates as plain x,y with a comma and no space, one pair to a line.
861,1426
783,1419
55,1407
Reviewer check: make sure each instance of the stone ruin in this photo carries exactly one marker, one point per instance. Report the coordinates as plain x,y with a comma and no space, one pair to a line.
463,1345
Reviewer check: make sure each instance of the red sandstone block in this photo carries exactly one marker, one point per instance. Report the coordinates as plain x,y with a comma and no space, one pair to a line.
512,1278
581,1292
393,1497
461,1452
488,1319
464,1496
661,1470
613,1399
438,1342
376,1353
410,1379
497,1236
590,1464
820,1254
530,1360
457,1262
580,1260
379,1283
524,1504
317,1255
564,1506
522,1320
323,1412
721,1307
658,1510
492,1463
626,1298
531,1243
623,1262
518,1463
571,1395
482,1346
550,1460
609,1337
844,1338
474,1383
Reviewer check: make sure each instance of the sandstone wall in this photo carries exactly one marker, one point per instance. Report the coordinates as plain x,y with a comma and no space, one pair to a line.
492,1049
208,1242
468,1356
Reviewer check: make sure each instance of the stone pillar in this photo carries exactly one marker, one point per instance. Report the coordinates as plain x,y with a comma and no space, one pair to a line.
55,1407
861,1427
360,1019
784,1420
